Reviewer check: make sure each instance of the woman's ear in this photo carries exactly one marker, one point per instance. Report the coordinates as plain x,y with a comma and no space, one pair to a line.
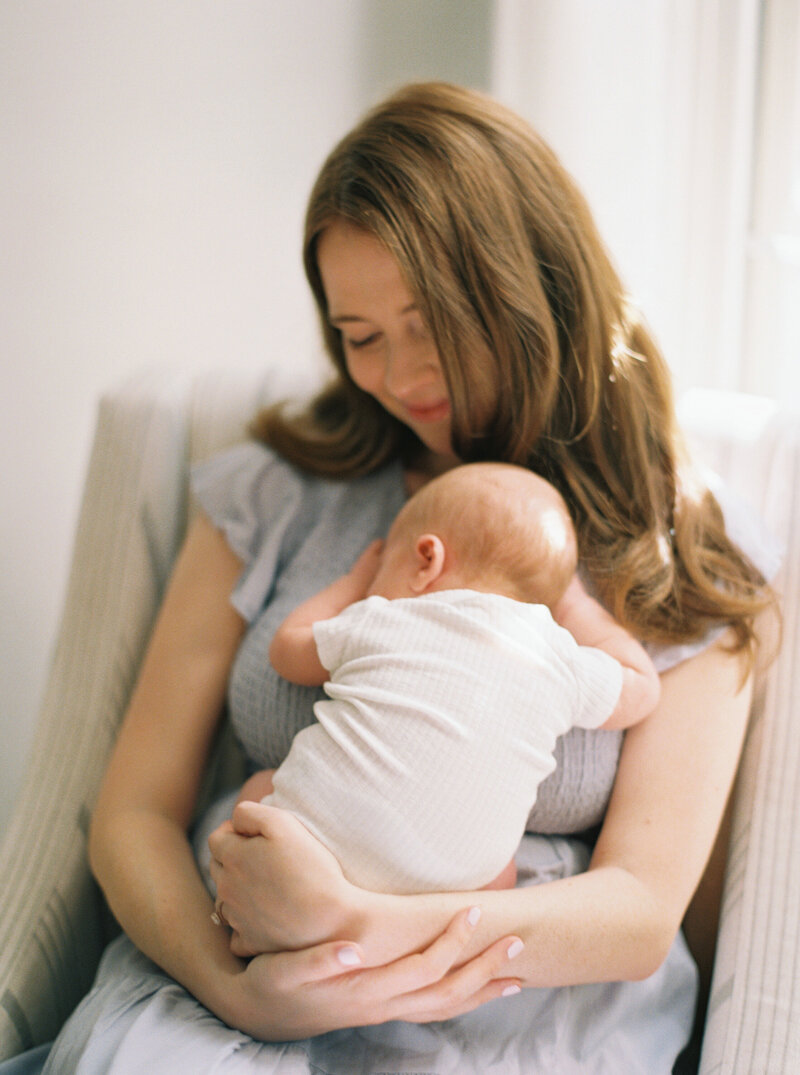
430,556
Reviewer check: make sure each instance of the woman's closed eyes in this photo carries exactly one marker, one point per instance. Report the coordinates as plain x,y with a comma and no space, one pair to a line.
363,342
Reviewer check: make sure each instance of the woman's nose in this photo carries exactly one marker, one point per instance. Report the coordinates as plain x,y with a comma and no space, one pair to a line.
410,366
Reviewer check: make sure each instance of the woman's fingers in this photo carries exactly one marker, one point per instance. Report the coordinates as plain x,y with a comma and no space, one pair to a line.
253,819
260,819
217,837
317,964
431,965
486,977
452,1008
437,979
282,890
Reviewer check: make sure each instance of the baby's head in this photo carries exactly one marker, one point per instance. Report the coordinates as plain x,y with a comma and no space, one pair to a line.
483,526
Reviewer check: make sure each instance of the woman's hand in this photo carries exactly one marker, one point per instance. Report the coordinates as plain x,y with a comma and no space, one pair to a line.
293,995
278,887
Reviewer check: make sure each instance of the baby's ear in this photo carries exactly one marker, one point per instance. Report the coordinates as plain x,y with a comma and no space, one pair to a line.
430,555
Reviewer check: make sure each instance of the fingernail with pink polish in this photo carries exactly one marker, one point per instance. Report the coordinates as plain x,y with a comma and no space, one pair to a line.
514,949
474,916
348,957
510,990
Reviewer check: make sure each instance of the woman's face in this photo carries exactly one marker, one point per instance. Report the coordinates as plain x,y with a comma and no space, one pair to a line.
387,347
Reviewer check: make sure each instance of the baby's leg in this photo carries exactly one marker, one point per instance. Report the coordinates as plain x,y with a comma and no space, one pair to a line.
256,787
507,878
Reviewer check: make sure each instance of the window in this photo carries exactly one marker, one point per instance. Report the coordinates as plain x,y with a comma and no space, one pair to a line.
771,347
681,122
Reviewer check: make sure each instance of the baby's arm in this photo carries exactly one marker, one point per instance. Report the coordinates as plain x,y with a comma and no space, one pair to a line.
293,652
592,625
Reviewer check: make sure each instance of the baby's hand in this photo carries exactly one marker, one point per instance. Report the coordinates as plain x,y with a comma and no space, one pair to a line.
572,604
364,570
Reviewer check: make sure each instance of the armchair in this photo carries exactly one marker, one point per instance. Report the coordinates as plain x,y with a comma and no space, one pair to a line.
53,925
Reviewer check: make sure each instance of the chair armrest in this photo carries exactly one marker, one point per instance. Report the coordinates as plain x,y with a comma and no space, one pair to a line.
130,522
132,519
753,1021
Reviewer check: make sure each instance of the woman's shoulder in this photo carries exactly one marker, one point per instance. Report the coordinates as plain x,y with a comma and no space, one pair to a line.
251,468
267,509
244,487
244,464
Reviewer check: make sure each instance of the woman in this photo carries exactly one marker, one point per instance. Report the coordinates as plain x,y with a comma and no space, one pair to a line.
471,313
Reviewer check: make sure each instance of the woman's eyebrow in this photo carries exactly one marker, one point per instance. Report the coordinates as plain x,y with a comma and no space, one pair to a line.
343,319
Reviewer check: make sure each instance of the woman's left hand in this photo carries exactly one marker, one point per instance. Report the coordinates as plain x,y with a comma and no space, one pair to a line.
278,887
291,995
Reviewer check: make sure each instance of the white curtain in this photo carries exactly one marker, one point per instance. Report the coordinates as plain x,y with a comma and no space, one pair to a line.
772,325
672,116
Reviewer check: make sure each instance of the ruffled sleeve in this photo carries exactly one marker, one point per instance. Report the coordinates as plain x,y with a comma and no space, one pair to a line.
255,499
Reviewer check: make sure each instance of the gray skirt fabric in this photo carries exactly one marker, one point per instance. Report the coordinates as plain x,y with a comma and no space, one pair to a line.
138,1020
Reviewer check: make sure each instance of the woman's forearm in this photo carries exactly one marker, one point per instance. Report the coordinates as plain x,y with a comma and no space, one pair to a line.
145,866
137,842
602,925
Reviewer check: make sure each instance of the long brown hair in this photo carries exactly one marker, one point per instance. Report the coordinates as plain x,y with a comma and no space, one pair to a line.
533,327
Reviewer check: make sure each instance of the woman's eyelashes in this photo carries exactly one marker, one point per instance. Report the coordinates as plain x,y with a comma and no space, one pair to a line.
415,330
364,341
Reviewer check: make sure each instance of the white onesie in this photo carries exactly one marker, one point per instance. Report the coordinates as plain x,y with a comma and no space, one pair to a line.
441,718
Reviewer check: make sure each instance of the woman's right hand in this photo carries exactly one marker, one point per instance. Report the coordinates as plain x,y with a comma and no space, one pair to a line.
278,887
292,995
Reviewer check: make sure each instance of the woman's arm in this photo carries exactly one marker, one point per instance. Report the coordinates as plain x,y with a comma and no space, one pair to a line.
617,921
138,845
141,856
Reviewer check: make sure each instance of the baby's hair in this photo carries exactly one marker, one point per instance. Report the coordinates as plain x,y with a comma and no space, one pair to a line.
503,526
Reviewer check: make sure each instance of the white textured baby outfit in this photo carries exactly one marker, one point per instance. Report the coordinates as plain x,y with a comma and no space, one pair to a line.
441,719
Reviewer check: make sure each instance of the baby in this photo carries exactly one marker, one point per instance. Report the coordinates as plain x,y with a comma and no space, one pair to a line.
448,683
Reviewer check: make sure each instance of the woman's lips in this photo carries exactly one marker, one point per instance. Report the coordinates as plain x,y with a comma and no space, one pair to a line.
434,412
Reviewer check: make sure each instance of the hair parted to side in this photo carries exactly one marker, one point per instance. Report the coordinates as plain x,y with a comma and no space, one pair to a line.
533,328
506,528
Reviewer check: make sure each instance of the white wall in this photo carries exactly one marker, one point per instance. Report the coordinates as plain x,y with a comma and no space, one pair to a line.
156,157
